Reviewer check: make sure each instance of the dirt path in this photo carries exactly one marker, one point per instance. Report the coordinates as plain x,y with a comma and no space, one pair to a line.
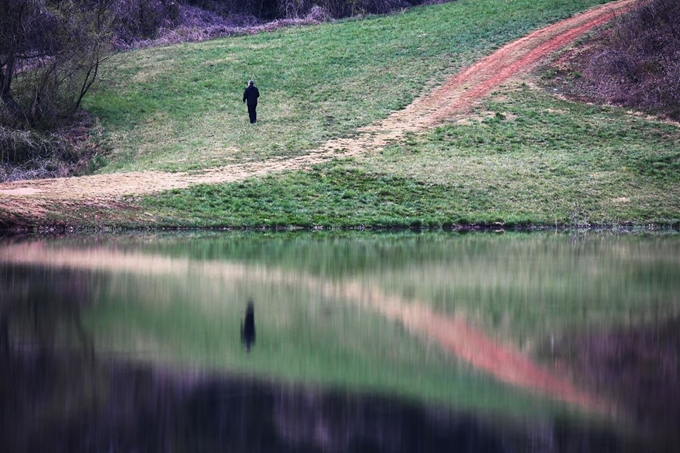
502,361
32,198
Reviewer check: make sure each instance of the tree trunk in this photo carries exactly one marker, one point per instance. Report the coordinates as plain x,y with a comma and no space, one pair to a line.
9,105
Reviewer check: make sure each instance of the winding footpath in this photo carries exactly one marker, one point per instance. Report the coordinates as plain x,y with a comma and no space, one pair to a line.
34,199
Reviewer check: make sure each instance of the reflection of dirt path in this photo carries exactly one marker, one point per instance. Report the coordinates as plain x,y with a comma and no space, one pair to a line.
455,96
455,335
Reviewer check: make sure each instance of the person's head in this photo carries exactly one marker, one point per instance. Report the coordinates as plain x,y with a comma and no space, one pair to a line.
250,83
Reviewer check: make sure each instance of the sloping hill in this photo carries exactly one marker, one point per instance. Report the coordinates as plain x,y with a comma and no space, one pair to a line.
37,201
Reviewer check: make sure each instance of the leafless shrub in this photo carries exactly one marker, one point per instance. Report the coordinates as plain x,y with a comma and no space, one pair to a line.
348,8
318,14
614,64
142,19
30,155
294,8
49,58
200,25
34,169
641,66
435,2
19,146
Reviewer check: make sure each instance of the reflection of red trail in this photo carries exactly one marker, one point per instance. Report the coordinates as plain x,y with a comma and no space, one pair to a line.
455,335
471,345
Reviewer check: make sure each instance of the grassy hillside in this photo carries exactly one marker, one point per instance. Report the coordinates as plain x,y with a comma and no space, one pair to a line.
179,108
522,157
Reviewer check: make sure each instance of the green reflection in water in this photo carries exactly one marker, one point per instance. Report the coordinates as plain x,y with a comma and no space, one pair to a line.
302,335
522,286
179,300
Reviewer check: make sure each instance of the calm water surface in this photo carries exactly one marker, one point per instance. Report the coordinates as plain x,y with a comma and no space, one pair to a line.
349,342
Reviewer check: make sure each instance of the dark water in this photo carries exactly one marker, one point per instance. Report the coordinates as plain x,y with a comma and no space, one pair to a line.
148,343
76,403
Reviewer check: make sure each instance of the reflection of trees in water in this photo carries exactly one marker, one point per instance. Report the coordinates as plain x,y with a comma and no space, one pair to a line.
637,366
38,317
338,423
57,402
41,308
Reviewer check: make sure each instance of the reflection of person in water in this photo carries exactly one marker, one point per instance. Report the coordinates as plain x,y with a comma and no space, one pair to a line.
248,327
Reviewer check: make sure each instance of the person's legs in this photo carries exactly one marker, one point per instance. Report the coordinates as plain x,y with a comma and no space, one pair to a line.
252,113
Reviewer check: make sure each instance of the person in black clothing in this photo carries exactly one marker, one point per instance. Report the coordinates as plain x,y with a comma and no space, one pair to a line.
250,95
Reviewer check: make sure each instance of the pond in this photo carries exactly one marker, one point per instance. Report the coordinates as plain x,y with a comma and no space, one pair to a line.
334,342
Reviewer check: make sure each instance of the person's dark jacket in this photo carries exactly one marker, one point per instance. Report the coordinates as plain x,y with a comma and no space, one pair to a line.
251,94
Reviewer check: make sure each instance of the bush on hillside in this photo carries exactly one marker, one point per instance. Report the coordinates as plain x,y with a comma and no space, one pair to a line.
267,10
50,53
340,8
636,64
142,19
28,154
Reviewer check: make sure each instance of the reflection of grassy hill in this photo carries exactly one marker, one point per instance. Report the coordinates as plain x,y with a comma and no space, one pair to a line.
519,289
179,107
299,339
522,287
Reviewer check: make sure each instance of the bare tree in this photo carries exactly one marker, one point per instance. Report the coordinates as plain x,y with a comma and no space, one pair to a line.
639,66
50,52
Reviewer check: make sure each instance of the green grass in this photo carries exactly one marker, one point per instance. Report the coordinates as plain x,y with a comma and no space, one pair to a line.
179,108
329,195
524,157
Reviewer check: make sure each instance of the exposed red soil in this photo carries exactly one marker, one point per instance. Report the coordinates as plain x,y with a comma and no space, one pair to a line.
521,56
